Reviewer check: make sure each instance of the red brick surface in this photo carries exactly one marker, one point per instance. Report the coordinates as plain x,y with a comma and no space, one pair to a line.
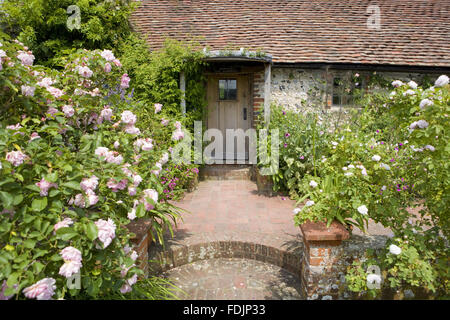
318,231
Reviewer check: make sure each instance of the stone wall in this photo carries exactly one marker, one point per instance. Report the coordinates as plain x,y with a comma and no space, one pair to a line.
312,88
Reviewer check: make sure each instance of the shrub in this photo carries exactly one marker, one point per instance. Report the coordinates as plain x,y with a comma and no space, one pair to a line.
75,169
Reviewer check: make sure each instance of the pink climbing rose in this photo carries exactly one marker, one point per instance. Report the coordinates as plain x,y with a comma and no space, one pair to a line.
124,81
106,231
44,185
42,290
16,158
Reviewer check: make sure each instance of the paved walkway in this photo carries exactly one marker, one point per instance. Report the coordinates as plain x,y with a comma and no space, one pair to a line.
234,279
228,219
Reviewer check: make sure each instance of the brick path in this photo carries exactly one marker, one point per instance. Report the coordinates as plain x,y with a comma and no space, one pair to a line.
234,279
229,219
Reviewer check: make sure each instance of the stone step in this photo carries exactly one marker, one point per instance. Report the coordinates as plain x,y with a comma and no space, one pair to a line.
226,172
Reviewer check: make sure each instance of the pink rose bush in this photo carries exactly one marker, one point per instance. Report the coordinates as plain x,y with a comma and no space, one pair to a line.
74,163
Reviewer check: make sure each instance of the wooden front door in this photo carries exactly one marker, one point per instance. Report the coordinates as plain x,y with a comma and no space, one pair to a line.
228,108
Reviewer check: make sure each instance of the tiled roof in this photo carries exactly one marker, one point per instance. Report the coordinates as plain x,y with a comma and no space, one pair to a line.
413,32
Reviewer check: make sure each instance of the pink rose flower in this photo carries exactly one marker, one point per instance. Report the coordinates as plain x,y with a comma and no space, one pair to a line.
68,110
124,81
42,290
131,129
16,158
63,224
57,93
45,82
117,63
71,254
108,55
44,185
85,72
165,122
106,113
128,117
106,231
108,67
149,194
158,107
26,58
89,183
69,268
28,91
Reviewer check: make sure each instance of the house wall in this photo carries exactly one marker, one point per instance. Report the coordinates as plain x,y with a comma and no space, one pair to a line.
312,88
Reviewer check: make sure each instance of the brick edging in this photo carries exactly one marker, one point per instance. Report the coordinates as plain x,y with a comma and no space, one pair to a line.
164,260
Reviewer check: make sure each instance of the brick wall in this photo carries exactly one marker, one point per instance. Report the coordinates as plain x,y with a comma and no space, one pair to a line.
141,241
258,96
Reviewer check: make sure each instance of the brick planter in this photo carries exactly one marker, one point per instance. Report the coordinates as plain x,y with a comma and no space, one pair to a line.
141,241
322,262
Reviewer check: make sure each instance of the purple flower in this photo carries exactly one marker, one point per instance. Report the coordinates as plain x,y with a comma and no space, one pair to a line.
285,145
287,135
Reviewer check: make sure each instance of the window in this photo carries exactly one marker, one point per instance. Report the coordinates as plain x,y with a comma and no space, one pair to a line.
227,89
346,92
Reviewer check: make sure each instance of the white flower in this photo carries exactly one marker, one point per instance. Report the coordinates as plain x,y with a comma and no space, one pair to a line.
348,174
441,81
397,83
373,278
394,249
425,103
364,172
409,92
376,158
351,166
385,166
383,188
309,203
334,143
344,168
313,184
363,209
412,85
296,210
132,214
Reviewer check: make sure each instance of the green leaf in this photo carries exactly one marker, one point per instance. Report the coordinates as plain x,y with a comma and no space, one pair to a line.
66,233
29,243
17,199
140,211
37,267
72,185
7,199
39,204
91,231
